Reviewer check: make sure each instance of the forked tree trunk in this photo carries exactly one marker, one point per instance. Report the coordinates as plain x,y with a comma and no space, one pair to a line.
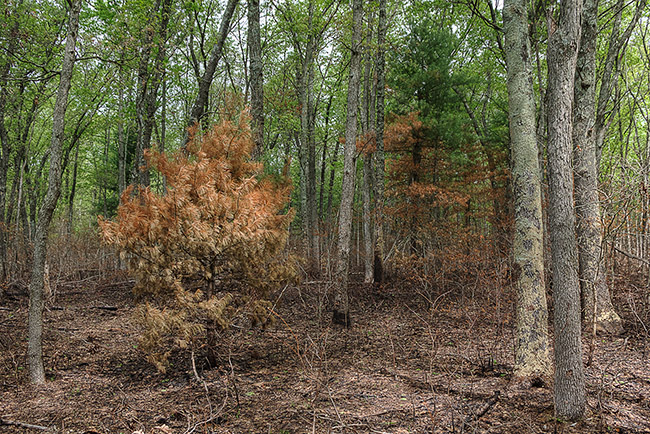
35,327
201,102
569,371
341,298
532,360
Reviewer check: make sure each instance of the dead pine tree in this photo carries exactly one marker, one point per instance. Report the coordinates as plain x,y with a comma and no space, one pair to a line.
208,249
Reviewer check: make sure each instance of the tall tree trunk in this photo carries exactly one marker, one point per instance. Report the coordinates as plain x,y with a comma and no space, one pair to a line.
34,187
532,358
416,158
201,102
163,116
35,327
314,236
569,371
330,189
73,190
366,193
597,307
542,135
256,77
341,300
305,79
5,147
368,130
380,166
163,126
324,158
148,84
104,176
121,140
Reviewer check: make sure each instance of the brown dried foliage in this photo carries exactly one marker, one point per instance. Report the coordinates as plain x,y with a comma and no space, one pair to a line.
446,206
210,247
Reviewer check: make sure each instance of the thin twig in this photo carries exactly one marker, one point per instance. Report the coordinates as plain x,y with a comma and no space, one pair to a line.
196,374
631,256
234,382
4,422
329,392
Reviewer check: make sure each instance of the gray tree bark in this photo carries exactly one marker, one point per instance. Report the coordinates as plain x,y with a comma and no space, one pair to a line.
324,157
305,81
341,300
121,139
73,190
35,326
149,80
598,311
379,163
5,144
256,77
201,102
532,360
330,189
368,129
569,371
308,139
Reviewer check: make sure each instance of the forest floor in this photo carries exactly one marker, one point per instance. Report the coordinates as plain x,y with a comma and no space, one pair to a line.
404,367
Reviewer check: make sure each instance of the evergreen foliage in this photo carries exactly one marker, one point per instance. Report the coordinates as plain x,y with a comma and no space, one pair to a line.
207,249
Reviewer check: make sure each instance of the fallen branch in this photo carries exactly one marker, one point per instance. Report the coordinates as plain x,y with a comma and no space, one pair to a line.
486,407
631,256
381,413
4,422
78,282
4,308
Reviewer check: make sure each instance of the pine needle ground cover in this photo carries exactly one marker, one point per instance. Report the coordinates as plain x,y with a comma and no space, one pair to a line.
402,368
